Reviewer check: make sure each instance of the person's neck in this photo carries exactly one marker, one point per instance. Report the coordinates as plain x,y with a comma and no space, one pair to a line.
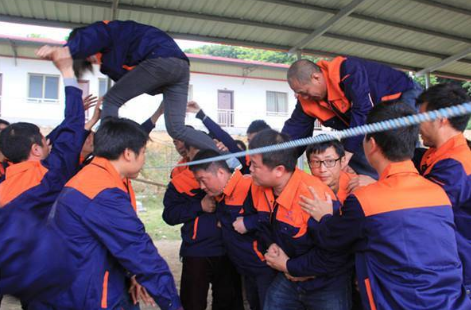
381,164
335,187
118,167
283,181
445,136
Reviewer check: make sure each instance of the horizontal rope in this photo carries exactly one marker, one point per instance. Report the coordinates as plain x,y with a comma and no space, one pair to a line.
396,123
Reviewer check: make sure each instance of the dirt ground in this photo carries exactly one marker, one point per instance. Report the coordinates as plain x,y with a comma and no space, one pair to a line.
167,248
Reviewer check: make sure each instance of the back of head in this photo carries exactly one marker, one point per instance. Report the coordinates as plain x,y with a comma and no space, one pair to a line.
3,124
81,66
257,126
396,144
319,148
301,71
116,135
17,139
211,166
444,96
286,158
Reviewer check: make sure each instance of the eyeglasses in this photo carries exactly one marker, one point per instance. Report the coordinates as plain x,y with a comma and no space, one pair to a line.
328,163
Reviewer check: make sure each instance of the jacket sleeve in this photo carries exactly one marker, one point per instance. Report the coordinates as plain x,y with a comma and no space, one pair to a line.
69,136
334,236
218,132
299,125
357,91
112,219
89,40
451,176
179,207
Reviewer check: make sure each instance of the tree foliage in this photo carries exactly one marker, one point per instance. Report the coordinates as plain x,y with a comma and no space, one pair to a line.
245,53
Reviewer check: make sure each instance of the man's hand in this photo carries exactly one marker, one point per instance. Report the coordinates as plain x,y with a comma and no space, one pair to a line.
316,207
276,258
158,113
208,204
138,292
61,58
193,107
96,113
359,181
89,102
239,225
221,147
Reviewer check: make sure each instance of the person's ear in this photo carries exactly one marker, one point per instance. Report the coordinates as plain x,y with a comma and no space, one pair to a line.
128,155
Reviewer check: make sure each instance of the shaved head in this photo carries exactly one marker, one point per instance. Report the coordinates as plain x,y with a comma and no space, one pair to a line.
302,70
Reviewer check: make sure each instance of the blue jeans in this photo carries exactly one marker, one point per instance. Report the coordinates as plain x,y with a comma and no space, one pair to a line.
409,96
286,295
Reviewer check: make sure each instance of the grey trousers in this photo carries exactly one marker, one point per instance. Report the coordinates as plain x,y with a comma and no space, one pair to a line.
167,76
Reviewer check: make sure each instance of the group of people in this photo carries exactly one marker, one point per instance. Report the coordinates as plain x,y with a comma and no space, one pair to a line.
377,223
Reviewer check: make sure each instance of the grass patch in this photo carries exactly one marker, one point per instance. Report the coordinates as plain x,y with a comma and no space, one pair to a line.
152,218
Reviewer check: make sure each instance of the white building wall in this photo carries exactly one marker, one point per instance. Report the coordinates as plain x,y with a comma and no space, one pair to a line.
249,97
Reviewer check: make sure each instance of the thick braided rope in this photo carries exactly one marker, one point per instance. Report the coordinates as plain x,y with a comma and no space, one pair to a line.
405,121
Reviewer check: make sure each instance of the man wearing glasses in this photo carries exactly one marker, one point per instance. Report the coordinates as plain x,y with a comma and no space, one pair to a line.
327,161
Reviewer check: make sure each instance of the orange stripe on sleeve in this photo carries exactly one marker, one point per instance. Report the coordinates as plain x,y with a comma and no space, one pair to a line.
370,294
391,97
104,295
195,228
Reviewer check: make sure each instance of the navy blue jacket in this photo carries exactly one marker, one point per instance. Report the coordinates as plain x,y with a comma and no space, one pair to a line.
201,236
354,86
26,197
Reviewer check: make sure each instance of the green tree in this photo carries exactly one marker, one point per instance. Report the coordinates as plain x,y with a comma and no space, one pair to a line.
35,35
245,53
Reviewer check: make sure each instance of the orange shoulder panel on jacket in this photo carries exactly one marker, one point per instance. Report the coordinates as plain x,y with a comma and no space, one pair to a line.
185,182
237,189
96,177
20,178
400,192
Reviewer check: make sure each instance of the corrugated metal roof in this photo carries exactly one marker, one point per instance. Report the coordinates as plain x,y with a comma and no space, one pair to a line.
409,34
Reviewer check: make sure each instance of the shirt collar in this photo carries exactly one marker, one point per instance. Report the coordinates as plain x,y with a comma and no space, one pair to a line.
406,166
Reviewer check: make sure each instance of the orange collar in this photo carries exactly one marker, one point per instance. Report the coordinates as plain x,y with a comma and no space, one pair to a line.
406,166
18,168
331,72
288,194
232,183
121,183
455,142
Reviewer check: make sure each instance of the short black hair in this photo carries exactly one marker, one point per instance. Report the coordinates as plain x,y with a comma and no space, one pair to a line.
318,148
211,166
286,158
116,135
257,126
241,145
444,96
395,144
17,139
4,122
